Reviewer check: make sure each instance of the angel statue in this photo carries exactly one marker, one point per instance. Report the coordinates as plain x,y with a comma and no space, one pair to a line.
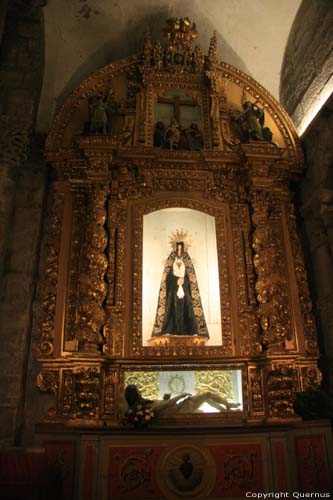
179,309
251,123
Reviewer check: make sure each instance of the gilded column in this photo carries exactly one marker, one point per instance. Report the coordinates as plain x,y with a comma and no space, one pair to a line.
92,281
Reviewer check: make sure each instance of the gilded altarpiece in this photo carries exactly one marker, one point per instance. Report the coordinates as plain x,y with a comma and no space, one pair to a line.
117,161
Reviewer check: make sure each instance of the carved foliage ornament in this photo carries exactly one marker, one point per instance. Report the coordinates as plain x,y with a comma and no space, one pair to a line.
271,283
49,287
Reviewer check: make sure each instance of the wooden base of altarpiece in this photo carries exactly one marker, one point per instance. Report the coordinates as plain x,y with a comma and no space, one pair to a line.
205,463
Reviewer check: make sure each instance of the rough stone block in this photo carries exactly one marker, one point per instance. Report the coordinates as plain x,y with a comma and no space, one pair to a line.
7,419
29,30
17,290
10,78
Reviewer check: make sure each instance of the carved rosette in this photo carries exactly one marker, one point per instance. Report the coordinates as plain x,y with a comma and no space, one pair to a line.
310,377
49,287
92,280
281,386
310,334
271,283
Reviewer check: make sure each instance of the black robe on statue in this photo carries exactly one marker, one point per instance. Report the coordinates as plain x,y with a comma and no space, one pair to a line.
179,316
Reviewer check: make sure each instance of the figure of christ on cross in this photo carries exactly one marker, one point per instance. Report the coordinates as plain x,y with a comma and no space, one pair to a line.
175,135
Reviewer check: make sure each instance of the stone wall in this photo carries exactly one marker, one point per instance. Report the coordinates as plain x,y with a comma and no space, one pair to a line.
22,186
316,199
307,70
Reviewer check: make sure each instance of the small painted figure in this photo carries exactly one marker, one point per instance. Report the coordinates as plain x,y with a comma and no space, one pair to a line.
172,134
194,137
159,135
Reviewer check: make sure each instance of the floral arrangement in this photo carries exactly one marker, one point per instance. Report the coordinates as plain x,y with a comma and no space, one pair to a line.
139,414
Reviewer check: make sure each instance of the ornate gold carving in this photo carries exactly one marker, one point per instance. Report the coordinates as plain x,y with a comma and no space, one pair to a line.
310,377
303,287
81,392
92,285
179,31
271,284
77,240
128,181
215,381
115,325
48,381
256,398
67,393
248,324
110,380
86,398
281,388
146,382
254,290
49,287
176,340
212,52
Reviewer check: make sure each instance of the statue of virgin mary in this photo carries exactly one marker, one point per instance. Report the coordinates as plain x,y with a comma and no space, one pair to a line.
179,308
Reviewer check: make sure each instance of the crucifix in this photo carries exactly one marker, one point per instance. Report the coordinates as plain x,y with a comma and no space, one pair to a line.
177,102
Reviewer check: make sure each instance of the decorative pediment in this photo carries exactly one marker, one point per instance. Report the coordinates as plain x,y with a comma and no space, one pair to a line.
174,97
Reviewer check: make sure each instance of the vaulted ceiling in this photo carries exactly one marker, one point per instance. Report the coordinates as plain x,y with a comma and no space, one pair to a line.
84,35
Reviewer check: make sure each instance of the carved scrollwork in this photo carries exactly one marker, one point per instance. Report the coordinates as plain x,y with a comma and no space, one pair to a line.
310,377
49,287
48,381
128,181
92,283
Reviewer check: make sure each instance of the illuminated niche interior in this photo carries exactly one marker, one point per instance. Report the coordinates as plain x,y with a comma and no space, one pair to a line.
154,384
158,226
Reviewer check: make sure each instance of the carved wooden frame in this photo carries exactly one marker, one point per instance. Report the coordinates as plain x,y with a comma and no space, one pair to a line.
224,263
194,85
